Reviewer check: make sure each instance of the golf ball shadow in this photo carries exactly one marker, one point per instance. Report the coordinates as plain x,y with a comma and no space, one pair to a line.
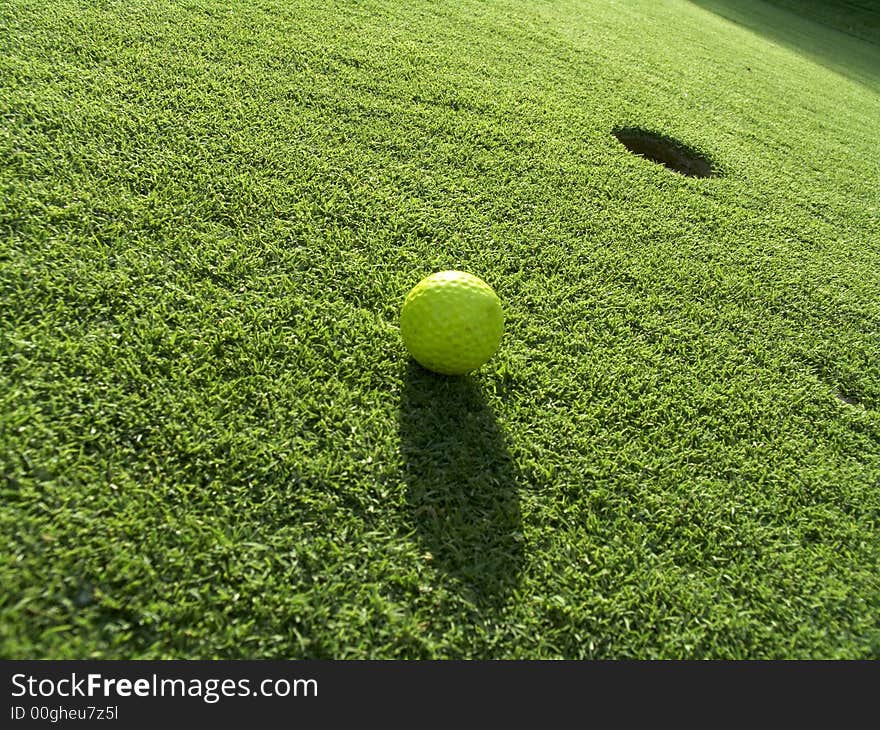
461,484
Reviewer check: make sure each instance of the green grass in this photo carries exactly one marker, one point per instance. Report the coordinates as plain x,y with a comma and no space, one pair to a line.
213,445
843,35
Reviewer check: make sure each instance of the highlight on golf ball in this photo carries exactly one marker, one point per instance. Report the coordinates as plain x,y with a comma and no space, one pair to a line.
451,322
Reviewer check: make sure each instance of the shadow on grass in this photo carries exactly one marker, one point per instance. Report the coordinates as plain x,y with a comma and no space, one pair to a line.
840,35
461,484
663,150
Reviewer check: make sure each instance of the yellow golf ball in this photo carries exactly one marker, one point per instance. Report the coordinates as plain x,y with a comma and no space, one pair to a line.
451,322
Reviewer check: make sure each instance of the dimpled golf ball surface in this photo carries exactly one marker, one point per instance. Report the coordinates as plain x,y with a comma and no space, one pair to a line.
451,322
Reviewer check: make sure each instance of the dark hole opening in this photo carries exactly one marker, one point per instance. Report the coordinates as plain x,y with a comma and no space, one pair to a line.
666,151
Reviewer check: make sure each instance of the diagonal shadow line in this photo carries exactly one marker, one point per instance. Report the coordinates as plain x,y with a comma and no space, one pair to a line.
461,485
819,31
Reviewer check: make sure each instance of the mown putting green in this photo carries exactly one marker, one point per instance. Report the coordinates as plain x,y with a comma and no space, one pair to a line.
213,442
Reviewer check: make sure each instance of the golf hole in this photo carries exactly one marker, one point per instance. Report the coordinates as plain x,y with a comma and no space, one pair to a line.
850,400
665,151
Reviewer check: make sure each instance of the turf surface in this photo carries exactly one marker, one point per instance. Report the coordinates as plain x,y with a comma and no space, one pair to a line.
213,444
